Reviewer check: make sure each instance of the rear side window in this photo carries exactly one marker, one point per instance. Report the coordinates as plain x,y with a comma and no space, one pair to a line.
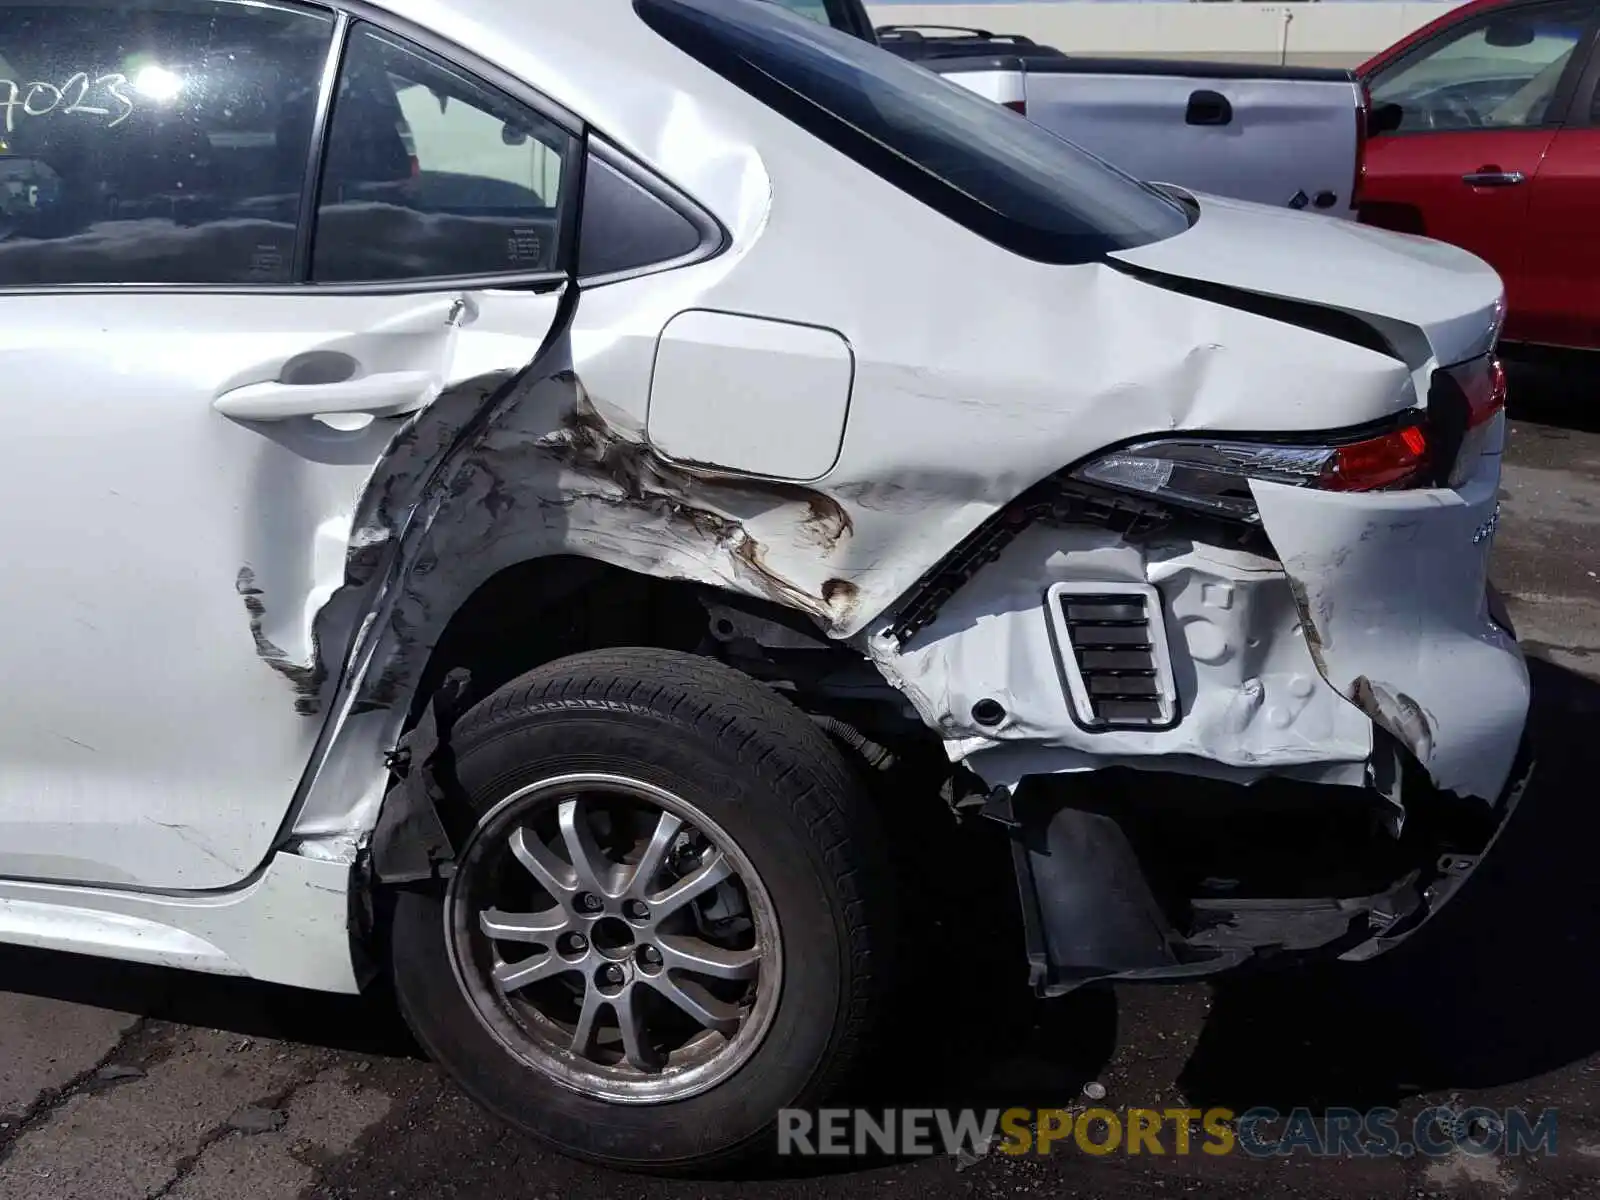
998,174
155,141
430,173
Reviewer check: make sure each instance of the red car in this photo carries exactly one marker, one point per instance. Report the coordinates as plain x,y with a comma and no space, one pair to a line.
1486,133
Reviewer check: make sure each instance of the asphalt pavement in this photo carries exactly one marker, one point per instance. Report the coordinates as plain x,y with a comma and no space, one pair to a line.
125,1082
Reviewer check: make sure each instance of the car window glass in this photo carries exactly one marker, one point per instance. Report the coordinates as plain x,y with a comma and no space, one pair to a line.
1500,72
431,173
625,228
1001,176
816,10
154,141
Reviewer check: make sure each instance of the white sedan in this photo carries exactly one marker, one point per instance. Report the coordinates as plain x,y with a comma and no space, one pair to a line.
537,499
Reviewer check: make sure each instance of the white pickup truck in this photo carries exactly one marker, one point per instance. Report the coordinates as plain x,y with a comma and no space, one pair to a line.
1273,134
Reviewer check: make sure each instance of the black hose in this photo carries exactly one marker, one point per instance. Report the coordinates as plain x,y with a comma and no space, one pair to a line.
878,757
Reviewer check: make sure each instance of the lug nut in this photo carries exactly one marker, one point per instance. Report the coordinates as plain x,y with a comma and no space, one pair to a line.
650,956
588,902
612,974
577,943
636,910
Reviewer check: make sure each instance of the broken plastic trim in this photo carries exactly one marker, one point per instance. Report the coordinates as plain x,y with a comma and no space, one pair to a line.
410,843
1062,500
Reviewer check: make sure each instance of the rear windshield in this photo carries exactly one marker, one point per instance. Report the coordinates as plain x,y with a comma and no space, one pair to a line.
1000,175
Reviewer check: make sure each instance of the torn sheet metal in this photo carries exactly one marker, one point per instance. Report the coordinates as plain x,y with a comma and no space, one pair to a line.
1250,697
534,470
1394,590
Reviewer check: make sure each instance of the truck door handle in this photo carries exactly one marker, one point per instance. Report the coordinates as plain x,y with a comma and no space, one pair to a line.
1208,108
384,395
1494,177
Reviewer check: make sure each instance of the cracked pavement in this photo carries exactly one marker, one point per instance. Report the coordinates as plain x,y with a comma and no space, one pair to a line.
120,1082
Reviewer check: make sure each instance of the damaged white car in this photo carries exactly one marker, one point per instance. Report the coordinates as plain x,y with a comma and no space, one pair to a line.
498,492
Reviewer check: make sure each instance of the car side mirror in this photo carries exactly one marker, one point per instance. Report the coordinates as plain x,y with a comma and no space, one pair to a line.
1385,118
1508,34
512,136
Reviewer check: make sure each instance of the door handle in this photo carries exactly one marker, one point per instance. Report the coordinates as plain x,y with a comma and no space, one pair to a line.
1208,108
1492,177
385,395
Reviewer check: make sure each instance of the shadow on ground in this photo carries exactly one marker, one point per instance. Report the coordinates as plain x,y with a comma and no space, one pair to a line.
1551,388
1500,987
358,1024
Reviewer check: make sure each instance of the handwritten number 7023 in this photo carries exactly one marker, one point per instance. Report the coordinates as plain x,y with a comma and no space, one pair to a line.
40,99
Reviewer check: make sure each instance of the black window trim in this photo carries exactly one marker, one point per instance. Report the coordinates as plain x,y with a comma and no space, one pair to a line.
1556,115
1580,112
311,188
714,236
345,14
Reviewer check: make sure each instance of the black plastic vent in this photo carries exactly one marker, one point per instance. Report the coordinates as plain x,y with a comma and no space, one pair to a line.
1116,645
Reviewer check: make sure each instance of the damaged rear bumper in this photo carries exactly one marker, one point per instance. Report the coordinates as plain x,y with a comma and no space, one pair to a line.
1094,909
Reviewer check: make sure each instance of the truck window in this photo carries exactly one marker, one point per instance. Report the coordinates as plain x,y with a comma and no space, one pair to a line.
816,10
847,15
1000,175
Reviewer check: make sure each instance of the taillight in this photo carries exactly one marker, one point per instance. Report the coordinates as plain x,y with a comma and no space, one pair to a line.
1215,476
1462,407
1387,461
1483,382
1017,106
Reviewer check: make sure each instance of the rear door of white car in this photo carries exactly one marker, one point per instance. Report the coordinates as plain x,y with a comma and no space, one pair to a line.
199,377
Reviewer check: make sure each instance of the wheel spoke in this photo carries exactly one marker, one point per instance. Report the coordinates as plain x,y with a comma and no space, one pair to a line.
703,1008
654,854
537,929
712,871
635,1043
555,876
588,1021
589,864
700,957
513,977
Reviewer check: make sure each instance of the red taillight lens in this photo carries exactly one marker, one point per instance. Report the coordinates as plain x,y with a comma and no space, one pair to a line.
1390,460
1017,106
1484,382
1481,383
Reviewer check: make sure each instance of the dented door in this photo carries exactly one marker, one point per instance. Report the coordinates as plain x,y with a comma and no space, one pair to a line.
174,512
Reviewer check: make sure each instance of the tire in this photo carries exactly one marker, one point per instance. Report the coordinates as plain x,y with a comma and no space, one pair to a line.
769,784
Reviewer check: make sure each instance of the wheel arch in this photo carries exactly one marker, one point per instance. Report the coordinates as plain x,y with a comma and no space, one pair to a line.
521,617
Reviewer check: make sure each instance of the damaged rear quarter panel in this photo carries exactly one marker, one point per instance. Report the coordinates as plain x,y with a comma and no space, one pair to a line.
957,407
